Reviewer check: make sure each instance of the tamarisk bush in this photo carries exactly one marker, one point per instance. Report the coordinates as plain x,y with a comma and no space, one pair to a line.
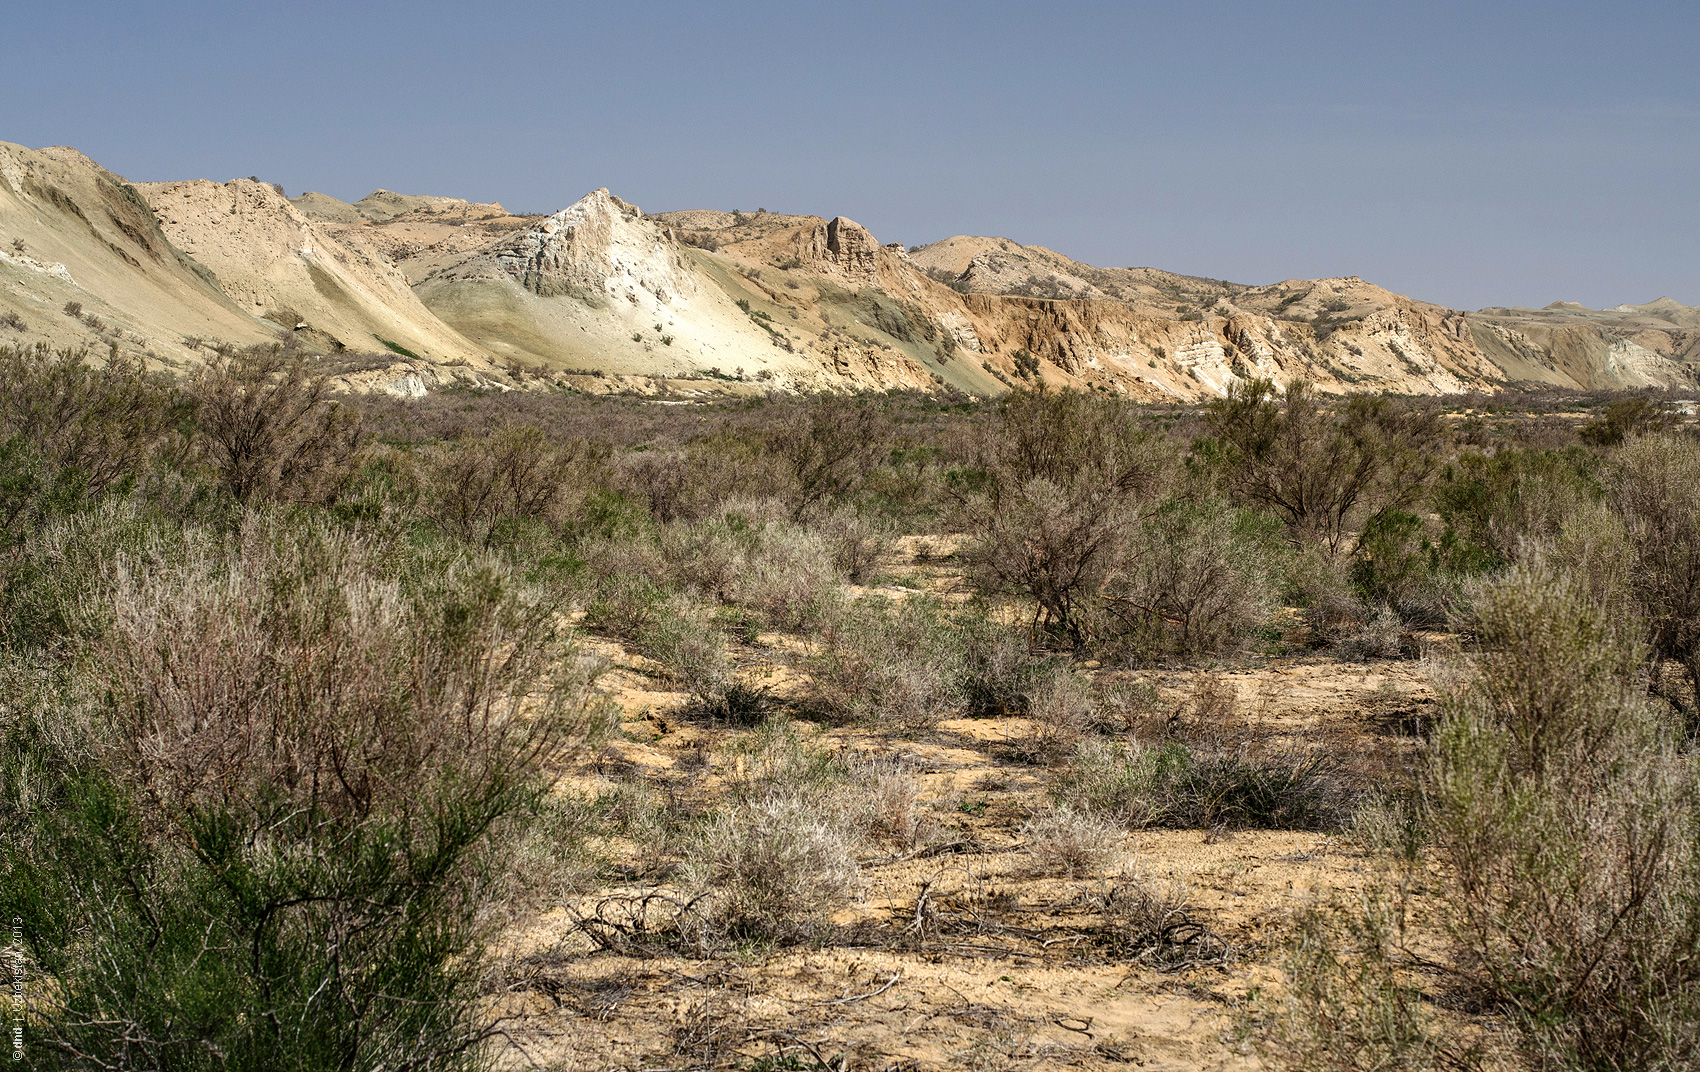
313,748
1568,824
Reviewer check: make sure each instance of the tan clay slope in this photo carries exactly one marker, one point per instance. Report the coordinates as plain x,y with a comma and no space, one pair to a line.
773,301
280,265
600,286
381,206
1565,344
71,231
1361,334
326,209
1136,331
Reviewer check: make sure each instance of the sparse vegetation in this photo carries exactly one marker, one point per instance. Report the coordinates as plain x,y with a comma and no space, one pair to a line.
392,347
305,752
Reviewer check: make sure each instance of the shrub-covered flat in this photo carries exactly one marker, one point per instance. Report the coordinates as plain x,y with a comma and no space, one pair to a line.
844,732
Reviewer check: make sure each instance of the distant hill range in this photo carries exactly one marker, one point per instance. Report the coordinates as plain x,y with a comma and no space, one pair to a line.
414,292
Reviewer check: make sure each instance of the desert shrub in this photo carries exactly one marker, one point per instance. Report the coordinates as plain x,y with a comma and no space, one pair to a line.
1340,617
471,487
1204,785
269,429
738,703
1001,678
999,670
653,825
680,635
895,813
1494,506
770,865
770,869
1391,823
750,556
1323,474
1653,488
1201,575
624,604
1062,481
1153,923
69,431
1320,586
554,855
1569,827
1124,703
1064,841
823,453
1346,1003
1398,567
56,578
1625,418
689,483
783,758
856,542
894,664
1058,712
1379,634
314,746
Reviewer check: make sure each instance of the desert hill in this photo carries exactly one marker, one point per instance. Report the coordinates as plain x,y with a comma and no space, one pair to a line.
84,263
1566,344
601,296
337,292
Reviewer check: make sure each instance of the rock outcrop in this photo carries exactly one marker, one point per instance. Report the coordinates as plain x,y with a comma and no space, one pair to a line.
844,248
602,296
598,245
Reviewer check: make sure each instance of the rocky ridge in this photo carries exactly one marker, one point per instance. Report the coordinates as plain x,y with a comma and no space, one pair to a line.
600,296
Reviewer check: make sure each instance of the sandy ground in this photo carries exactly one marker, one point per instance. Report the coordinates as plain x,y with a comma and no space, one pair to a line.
956,951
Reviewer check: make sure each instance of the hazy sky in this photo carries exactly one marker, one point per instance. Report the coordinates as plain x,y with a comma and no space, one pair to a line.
1465,153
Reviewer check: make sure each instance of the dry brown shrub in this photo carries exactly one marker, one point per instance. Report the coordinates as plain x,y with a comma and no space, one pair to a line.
103,423
896,813
270,429
1064,841
472,487
1059,712
291,662
1069,479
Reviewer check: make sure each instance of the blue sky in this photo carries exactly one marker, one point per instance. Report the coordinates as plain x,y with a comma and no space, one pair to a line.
1465,153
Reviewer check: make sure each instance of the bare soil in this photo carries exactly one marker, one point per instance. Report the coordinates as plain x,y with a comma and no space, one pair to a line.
956,952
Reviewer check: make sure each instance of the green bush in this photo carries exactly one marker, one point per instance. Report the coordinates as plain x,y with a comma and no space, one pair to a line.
1323,473
1202,786
1201,576
69,432
750,555
1654,486
1568,826
896,665
1346,1002
268,854
1626,418
1493,507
